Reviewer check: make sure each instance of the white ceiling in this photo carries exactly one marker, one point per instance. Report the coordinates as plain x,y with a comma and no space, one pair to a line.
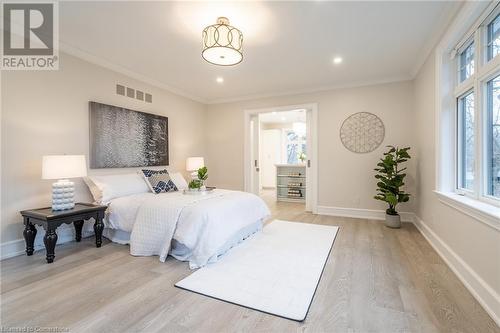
288,46
283,117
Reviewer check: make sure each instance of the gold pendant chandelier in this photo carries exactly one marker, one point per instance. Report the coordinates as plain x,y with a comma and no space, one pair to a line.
222,43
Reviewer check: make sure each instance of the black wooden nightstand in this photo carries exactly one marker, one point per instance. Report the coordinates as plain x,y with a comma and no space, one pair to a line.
50,219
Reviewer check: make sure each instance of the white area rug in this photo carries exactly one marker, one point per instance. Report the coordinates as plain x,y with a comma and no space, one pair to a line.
275,271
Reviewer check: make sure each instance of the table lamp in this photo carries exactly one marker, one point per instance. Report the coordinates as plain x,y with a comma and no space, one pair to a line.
193,164
62,167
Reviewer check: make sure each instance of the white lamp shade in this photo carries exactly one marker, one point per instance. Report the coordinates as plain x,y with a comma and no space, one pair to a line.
224,56
63,166
194,163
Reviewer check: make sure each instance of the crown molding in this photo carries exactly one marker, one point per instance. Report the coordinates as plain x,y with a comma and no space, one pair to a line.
79,53
445,20
422,57
102,62
319,89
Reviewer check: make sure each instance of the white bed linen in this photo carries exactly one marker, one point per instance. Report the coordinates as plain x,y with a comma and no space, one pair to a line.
203,227
122,211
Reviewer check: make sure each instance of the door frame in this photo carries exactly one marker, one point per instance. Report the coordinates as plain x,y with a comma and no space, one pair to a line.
311,201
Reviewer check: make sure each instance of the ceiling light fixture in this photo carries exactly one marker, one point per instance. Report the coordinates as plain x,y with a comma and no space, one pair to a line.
222,43
337,60
219,79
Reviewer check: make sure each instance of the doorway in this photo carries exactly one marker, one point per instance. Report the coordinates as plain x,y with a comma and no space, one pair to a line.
281,153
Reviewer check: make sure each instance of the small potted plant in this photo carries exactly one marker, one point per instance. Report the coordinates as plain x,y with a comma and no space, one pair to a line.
390,178
302,157
199,183
194,185
202,176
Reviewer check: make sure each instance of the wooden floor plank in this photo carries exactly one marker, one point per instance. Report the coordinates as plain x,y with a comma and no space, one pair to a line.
376,280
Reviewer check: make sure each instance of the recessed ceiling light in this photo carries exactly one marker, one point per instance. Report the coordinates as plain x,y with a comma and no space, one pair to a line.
337,60
219,79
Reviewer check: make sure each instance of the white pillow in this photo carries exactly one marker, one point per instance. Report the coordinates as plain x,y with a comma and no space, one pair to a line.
106,188
178,180
94,190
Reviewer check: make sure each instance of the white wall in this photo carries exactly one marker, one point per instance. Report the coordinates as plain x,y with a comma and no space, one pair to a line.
270,154
470,246
46,112
345,179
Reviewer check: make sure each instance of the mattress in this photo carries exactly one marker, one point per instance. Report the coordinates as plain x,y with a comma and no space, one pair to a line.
122,214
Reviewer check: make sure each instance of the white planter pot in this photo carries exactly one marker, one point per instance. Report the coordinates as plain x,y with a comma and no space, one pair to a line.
393,221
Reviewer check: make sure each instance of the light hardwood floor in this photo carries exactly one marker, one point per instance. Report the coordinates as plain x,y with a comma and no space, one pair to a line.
376,280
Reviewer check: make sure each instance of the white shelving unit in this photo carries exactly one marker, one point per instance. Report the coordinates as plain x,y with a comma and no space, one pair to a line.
291,182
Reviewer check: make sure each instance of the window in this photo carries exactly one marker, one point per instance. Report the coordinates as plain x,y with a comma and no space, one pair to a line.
493,32
295,145
466,142
466,68
477,116
493,138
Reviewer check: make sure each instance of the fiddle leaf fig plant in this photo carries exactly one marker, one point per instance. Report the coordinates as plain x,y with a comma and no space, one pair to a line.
390,176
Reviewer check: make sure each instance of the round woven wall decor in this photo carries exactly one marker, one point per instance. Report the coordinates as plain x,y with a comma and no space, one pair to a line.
362,132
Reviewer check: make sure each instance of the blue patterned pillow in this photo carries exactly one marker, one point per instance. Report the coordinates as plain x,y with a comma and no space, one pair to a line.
159,181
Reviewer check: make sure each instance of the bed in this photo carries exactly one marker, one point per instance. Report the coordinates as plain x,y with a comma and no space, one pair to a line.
194,228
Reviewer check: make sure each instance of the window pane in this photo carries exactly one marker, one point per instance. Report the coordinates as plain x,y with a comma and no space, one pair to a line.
466,141
291,136
493,138
494,38
292,153
295,146
467,63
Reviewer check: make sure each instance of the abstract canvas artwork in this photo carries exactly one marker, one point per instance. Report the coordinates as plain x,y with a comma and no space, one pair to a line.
121,138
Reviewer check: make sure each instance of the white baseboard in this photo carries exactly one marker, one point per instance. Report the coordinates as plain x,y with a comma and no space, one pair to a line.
371,214
481,290
65,233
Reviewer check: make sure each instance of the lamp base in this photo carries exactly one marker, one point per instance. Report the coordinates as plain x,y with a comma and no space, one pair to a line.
63,192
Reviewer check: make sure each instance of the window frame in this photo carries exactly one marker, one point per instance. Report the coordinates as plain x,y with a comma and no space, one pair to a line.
463,67
486,31
460,169
484,71
485,131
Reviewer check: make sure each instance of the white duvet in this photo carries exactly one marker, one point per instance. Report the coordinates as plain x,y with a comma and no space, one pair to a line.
196,228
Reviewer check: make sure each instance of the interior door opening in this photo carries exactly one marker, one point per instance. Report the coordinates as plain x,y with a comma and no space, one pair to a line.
279,153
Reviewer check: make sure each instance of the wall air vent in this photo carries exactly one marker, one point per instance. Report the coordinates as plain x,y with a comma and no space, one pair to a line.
120,90
133,93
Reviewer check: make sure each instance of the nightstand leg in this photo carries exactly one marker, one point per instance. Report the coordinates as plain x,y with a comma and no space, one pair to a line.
98,228
78,230
29,234
50,240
